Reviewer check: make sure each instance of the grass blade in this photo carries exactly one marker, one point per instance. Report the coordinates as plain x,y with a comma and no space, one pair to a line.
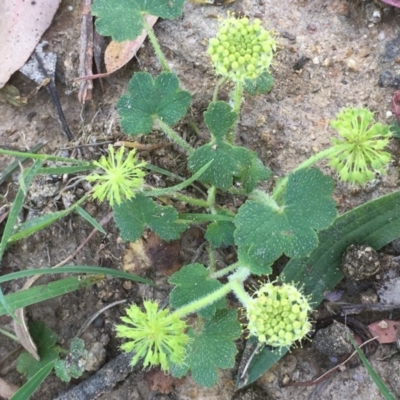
15,164
85,215
26,391
385,392
44,292
75,269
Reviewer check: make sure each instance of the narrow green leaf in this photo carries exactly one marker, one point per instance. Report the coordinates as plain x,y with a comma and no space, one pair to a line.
84,214
375,223
15,164
176,188
44,292
75,269
43,157
36,224
12,218
65,170
29,388
385,391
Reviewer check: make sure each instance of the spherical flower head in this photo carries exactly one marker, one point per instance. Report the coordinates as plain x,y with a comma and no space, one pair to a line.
120,177
155,335
241,50
359,153
278,315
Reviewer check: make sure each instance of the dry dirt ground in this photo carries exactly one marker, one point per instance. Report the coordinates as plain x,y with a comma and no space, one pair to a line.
331,54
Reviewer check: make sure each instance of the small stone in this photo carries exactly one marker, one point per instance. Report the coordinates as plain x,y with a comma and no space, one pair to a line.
327,62
389,114
352,65
383,325
381,36
315,61
369,297
127,285
334,340
96,357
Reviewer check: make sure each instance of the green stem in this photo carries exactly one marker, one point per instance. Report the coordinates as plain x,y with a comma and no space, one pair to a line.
237,102
187,199
156,45
241,294
211,256
307,163
9,335
174,136
211,199
224,271
235,282
220,82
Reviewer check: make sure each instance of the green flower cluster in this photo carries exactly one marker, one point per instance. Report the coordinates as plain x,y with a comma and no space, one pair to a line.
360,153
120,177
241,50
155,335
278,315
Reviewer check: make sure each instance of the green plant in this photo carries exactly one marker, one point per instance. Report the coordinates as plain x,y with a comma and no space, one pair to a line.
266,226
289,220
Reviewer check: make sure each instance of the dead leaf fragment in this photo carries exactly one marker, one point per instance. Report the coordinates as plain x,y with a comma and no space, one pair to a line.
385,330
152,252
160,382
119,53
22,25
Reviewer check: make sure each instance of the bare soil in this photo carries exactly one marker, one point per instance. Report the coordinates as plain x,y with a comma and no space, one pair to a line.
331,55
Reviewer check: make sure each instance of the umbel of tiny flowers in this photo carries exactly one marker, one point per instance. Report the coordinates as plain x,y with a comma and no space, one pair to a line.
120,178
241,50
157,336
278,315
359,153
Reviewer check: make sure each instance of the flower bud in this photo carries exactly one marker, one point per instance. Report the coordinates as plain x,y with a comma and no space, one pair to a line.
278,315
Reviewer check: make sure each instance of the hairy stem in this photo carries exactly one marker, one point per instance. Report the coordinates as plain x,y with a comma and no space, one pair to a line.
156,45
235,282
307,163
174,136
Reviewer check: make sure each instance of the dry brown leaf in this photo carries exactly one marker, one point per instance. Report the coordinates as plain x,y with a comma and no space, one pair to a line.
117,54
152,252
22,25
7,390
21,329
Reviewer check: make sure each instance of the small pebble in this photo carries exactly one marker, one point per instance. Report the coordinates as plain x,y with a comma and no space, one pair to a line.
315,61
381,36
333,340
352,65
96,357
